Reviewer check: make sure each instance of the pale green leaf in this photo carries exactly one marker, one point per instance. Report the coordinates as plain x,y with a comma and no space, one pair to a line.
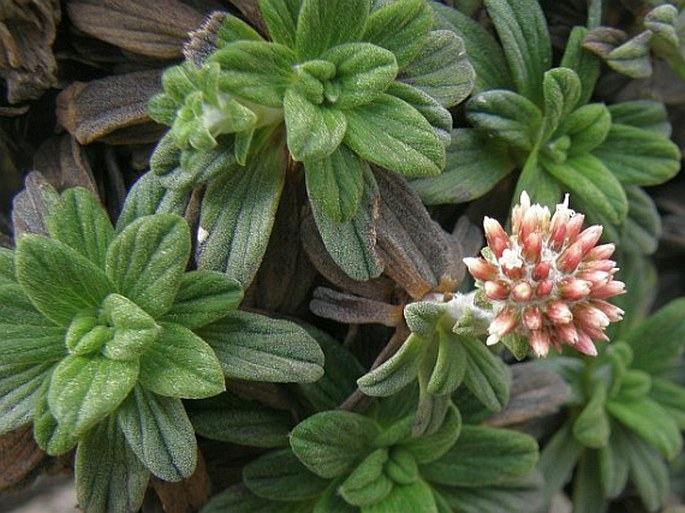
486,376
280,17
134,330
561,92
591,427
411,498
20,386
51,437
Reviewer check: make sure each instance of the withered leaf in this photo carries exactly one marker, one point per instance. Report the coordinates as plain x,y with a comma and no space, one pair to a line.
100,109
19,455
32,205
187,495
63,162
156,29
352,309
27,31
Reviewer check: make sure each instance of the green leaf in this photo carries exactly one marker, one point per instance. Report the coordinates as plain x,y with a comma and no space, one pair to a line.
314,131
256,71
352,244
587,485
637,156
181,364
580,60
234,29
19,392
147,260
614,463
148,196
134,330
229,418
475,164
412,498
450,366
79,222
203,297
523,32
561,92
238,499
57,279
237,215
659,340
648,115
331,442
638,414
593,184
367,483
341,371
558,458
401,467
642,229
255,347
392,134
648,472
336,184
437,115
194,167
331,501
324,24
86,389
7,272
280,476
428,448
27,336
280,17
484,456
506,115
486,376
441,69
362,70
396,372
587,127
400,27
51,437
591,427
671,397
483,51
540,185
632,58
158,431
109,476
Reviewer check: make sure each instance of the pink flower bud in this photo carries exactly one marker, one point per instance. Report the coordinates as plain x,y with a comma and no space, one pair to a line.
504,323
497,290
611,289
481,269
497,238
544,289
601,252
558,312
541,271
573,289
522,291
532,247
532,318
540,342
570,258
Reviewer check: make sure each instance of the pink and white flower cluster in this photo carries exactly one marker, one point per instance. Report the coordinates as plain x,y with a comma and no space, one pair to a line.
547,281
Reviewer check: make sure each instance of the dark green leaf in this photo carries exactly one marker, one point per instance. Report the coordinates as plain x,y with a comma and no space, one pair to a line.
391,133
614,464
540,185
430,447
642,229
7,273
314,131
147,260
523,33
367,483
475,164
441,69
203,297
19,391
280,17
58,280
401,467
324,24
486,376
398,371
109,476
411,498
557,459
400,27
280,476
438,116
591,427
331,501
587,127
255,347
84,390
180,364
148,196
482,49
648,471
79,222
234,29
362,70
580,60
238,212
671,397
506,115
336,184
587,485
591,182
238,499
229,418
256,71
648,115
561,91
450,365
484,456
158,431
352,244
331,442
659,341
637,156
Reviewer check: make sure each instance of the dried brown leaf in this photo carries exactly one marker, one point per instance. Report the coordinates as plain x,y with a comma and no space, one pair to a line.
184,496
156,29
351,309
110,108
63,162
19,456
32,205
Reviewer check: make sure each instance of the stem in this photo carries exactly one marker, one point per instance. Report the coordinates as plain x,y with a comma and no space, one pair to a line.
595,13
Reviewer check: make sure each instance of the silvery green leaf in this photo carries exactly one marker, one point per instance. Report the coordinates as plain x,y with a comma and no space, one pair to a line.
147,260
158,431
133,329
486,376
663,22
441,69
109,476
255,347
181,364
58,280
79,221
367,484
280,17
561,89
51,437
324,24
633,57
19,392
438,116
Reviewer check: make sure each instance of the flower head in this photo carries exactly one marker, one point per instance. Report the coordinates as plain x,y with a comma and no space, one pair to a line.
548,280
